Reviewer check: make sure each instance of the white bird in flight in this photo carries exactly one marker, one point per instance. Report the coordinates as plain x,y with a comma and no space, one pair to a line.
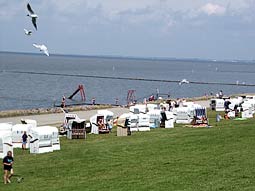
42,47
28,32
184,81
32,15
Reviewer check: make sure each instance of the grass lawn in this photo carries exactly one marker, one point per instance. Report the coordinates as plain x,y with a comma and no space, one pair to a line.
217,158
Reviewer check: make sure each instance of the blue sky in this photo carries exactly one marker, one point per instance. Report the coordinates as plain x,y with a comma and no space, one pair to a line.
219,29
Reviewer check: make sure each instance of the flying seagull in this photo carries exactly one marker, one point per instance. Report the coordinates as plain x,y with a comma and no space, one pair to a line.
184,81
42,47
32,15
28,32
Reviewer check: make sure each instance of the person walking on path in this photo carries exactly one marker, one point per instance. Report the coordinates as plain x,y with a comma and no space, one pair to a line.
8,170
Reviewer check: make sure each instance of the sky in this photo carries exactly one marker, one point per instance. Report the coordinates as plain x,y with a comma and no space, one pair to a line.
205,29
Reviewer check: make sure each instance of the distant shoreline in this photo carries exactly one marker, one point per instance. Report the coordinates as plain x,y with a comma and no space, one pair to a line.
137,57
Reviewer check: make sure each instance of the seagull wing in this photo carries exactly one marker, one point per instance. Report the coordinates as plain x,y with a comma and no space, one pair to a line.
30,9
46,52
37,46
42,48
28,32
34,22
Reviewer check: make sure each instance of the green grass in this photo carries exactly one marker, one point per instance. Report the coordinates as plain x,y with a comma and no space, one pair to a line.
217,158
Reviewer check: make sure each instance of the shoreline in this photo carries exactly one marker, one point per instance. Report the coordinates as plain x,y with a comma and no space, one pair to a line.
52,110
75,108
42,111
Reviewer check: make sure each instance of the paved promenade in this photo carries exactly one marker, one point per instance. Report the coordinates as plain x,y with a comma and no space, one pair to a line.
58,118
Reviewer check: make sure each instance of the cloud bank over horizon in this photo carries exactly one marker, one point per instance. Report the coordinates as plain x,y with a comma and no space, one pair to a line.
219,29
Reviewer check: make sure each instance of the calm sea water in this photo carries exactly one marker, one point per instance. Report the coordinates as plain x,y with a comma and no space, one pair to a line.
26,90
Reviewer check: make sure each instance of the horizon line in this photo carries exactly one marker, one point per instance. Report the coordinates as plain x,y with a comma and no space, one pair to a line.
136,57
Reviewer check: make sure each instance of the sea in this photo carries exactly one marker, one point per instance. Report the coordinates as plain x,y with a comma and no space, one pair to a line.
31,81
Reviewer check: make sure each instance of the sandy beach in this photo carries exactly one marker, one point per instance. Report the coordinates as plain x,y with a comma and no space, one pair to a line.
57,118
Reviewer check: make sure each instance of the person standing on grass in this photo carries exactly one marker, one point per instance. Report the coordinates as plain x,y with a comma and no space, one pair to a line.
8,170
24,140
163,117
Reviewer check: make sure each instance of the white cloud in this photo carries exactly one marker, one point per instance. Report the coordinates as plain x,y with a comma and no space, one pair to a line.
10,9
213,9
67,7
128,10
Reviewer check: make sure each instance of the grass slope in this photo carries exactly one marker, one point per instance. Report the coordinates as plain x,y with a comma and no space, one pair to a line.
217,158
